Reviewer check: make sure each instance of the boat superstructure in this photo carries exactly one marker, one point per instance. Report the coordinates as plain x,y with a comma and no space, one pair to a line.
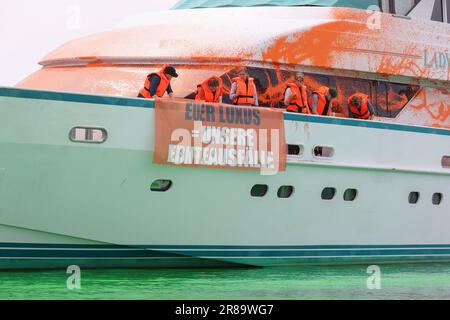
76,146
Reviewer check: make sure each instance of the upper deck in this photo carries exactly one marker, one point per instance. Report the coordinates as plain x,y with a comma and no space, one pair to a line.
318,37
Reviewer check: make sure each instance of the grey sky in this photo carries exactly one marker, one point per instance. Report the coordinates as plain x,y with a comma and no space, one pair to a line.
29,29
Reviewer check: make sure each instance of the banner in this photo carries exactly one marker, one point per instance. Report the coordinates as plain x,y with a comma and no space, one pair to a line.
194,133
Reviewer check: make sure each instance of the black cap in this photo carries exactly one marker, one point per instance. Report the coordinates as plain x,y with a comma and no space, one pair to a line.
171,71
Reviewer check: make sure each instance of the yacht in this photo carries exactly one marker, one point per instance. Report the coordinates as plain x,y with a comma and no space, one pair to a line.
79,184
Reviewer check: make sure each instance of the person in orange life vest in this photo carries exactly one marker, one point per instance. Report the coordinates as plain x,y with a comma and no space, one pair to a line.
210,90
156,84
359,107
320,101
243,90
295,96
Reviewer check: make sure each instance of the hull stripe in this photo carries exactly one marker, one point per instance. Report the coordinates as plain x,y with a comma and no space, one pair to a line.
147,103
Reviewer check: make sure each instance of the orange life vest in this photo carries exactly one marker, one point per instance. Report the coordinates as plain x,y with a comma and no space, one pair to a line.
300,103
208,95
244,92
364,113
162,87
323,109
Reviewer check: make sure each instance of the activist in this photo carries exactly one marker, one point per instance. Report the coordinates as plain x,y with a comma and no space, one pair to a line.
158,83
210,90
243,90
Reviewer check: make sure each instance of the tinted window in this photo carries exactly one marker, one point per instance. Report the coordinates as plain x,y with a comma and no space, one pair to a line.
448,11
413,197
381,105
161,185
285,191
294,149
259,190
347,87
437,199
328,193
398,96
350,194
437,11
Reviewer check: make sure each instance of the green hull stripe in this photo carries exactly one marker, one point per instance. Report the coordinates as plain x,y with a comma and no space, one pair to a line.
23,251
76,97
147,103
217,247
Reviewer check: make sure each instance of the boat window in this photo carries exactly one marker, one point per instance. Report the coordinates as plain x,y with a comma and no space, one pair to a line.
388,98
445,161
350,194
295,150
438,14
192,4
391,98
448,11
413,197
259,190
88,135
328,193
161,185
285,191
346,87
323,152
437,199
380,100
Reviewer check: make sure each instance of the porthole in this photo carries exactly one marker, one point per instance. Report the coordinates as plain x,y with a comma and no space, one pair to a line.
323,152
413,197
350,194
328,193
285,191
445,161
295,150
161,185
437,198
88,135
259,190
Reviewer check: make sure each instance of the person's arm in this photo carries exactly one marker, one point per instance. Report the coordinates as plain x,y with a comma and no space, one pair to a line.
315,101
255,95
371,108
350,114
200,94
304,96
169,91
233,91
288,97
154,83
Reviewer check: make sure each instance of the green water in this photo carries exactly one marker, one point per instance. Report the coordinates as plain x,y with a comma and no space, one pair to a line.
413,281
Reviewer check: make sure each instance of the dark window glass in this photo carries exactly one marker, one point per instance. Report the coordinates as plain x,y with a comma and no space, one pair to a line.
161,185
294,149
350,194
346,87
380,100
398,96
413,197
259,190
437,199
285,191
448,11
324,152
328,193
437,14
